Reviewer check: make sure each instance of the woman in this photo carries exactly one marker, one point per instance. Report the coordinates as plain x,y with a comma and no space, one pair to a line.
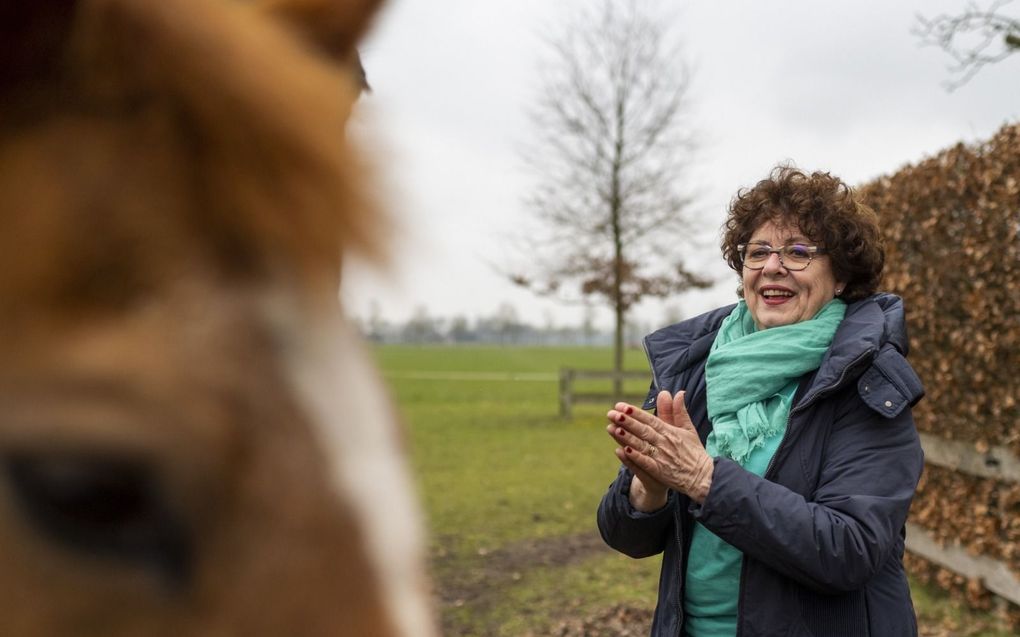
776,475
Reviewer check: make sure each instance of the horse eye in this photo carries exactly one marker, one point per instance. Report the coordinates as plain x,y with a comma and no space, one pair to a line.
110,507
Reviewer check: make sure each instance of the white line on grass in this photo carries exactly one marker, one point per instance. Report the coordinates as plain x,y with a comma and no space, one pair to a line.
542,377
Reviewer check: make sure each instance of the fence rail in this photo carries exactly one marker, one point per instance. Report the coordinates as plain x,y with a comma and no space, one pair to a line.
569,396
997,463
994,575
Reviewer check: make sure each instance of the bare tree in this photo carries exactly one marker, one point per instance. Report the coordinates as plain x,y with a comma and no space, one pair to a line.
973,38
609,150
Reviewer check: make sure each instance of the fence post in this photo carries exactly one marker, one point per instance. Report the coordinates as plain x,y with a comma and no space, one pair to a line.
566,392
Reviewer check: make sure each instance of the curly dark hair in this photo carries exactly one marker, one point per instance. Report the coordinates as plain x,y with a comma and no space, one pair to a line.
826,210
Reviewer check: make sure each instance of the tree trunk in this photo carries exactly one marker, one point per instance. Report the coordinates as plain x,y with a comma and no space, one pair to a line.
618,308
618,354
616,205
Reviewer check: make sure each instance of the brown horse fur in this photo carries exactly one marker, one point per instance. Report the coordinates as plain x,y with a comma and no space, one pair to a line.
192,442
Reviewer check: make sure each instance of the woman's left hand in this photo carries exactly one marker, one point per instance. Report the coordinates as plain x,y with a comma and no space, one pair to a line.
666,447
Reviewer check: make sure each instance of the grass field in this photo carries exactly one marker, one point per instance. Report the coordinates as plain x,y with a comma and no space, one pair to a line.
510,491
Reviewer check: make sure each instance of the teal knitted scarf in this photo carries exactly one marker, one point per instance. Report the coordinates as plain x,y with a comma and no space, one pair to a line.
751,376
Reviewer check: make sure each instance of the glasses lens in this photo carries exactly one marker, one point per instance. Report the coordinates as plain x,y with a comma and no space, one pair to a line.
757,254
796,256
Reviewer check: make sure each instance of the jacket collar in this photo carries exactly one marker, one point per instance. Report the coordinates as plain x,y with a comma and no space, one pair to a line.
676,347
869,324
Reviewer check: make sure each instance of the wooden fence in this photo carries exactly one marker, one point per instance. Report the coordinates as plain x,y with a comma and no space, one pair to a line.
569,396
997,463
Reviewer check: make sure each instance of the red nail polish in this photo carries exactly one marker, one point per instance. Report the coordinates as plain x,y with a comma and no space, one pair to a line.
620,431
628,450
621,418
630,410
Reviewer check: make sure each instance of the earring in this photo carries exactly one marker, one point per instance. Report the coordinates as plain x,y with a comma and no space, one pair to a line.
839,291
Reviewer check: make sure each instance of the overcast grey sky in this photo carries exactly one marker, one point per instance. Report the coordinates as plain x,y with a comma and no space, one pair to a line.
838,86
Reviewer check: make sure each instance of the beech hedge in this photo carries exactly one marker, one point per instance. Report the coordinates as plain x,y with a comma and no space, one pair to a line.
952,230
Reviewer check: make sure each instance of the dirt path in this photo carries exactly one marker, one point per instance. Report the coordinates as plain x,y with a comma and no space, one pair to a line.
492,572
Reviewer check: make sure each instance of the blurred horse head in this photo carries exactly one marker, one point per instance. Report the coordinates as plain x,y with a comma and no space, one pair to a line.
192,440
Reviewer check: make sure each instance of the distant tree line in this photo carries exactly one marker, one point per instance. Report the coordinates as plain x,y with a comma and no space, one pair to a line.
503,327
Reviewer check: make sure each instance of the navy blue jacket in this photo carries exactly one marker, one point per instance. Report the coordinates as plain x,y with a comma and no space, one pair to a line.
822,532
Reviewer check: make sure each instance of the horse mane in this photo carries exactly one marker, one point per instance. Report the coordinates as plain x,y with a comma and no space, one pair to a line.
249,113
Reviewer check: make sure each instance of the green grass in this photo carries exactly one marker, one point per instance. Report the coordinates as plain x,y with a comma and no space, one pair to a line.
498,468
540,595
505,481
496,462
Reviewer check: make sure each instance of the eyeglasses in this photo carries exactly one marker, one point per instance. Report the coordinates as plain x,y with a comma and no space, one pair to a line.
795,256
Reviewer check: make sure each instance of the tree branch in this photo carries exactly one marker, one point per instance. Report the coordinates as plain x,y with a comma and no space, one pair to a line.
973,39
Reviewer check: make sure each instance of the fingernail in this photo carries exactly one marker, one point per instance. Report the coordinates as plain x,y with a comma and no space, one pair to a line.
628,450
621,418
620,431
630,410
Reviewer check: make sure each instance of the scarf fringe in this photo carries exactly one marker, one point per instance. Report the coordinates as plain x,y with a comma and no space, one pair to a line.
724,443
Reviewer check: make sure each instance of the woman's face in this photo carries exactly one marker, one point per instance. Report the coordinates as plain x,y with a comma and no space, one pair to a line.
777,296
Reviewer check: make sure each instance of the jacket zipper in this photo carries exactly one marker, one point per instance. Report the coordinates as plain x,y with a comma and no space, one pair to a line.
740,595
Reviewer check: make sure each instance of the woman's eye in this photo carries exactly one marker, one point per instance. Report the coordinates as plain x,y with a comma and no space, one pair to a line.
110,507
758,253
798,252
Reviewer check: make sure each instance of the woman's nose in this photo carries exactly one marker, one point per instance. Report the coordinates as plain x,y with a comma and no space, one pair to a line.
774,265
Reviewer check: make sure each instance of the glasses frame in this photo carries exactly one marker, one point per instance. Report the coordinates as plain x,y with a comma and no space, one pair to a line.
812,252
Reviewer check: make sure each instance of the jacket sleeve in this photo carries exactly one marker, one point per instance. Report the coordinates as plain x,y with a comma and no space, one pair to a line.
627,530
838,538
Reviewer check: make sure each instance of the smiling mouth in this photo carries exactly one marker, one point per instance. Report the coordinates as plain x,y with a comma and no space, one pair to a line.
774,296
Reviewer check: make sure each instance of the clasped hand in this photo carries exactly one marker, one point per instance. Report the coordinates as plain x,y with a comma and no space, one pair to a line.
663,452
